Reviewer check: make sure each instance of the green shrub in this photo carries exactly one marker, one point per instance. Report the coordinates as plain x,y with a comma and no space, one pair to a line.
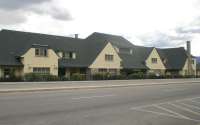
64,78
107,76
11,79
118,77
78,77
99,76
138,75
40,77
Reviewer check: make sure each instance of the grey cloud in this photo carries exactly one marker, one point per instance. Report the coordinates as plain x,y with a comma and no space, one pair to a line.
190,30
53,11
181,35
9,10
19,4
61,14
8,18
159,39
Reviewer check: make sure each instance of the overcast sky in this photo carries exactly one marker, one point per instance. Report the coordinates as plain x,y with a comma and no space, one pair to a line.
159,23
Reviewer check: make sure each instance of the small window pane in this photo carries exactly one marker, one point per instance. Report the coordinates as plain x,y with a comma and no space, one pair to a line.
154,60
37,52
74,55
45,52
109,57
102,70
69,55
41,70
41,52
66,55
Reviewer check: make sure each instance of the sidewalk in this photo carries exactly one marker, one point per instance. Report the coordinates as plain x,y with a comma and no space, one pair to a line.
8,87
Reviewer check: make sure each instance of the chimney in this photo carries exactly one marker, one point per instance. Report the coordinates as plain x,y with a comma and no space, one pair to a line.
189,47
76,36
190,70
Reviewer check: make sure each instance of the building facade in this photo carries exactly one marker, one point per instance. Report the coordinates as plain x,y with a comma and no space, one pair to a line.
23,53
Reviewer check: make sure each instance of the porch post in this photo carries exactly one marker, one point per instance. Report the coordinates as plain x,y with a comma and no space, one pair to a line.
1,72
88,74
67,73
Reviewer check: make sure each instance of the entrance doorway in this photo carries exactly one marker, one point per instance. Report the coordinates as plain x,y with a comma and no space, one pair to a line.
8,73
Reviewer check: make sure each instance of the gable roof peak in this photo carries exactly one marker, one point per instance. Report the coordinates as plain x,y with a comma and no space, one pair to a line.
106,34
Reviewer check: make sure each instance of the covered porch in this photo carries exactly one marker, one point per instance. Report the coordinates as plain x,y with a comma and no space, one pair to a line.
129,71
72,71
8,72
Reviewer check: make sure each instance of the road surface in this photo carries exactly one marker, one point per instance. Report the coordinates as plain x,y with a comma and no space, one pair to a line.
173,104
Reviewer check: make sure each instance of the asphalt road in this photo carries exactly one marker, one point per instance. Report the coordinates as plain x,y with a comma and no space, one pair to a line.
172,104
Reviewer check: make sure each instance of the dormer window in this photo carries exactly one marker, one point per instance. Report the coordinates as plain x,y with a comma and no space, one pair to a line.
126,50
41,52
131,51
69,55
66,55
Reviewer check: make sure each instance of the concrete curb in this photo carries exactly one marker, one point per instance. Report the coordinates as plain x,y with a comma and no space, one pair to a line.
89,87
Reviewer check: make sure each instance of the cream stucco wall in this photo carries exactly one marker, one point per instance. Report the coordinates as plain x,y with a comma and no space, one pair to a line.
19,71
157,67
30,61
184,71
100,61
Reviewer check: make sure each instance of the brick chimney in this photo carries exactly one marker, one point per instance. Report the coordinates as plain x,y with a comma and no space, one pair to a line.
76,36
190,71
189,47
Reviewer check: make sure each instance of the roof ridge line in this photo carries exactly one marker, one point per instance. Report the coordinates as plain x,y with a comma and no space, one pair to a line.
35,33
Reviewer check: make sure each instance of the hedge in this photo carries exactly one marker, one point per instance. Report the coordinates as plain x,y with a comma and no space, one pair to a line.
40,77
107,76
11,79
80,77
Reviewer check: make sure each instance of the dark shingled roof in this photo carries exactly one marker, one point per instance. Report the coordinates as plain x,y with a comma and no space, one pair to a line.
114,39
135,60
15,44
175,57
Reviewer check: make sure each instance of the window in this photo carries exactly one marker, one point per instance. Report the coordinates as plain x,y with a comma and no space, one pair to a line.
37,52
41,52
126,50
112,71
69,55
193,62
66,55
154,60
131,51
102,70
44,70
109,57
73,55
